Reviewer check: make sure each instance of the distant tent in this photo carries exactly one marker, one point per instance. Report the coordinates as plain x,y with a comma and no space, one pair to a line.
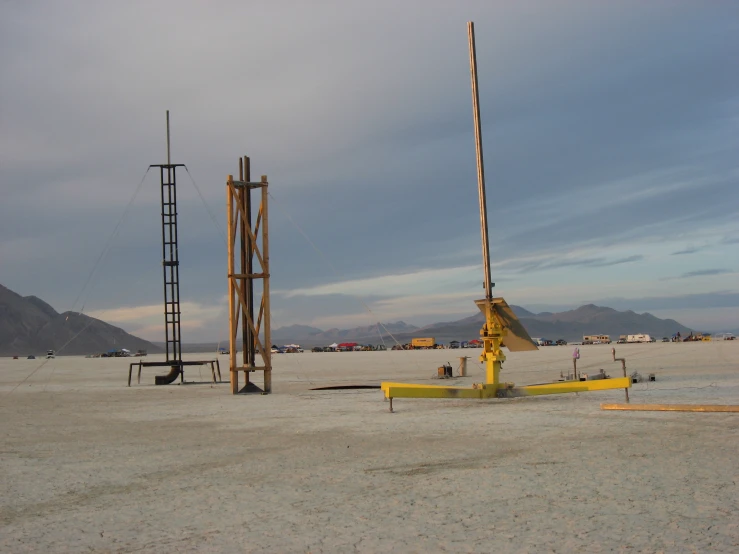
334,345
348,345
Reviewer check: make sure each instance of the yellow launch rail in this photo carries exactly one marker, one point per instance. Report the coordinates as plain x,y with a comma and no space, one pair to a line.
501,327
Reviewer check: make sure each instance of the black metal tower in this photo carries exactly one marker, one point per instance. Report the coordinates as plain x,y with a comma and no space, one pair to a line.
170,268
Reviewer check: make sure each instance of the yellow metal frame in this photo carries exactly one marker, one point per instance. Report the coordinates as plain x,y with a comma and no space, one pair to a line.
501,328
506,390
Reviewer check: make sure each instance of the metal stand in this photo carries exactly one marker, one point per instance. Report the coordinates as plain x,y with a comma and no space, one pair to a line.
242,299
215,369
623,366
171,271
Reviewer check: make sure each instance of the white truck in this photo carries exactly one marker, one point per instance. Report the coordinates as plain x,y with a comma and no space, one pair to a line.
639,338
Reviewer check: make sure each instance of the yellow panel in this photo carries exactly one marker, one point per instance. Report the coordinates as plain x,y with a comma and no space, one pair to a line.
517,339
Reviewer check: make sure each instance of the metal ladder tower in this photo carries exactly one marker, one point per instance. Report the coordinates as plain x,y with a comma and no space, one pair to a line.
170,268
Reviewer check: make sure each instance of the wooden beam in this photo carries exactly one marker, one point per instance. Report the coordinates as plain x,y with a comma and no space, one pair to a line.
257,342
265,291
671,407
242,301
231,303
252,238
259,318
259,221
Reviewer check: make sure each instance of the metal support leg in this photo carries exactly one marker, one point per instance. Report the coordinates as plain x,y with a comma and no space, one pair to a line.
623,366
626,390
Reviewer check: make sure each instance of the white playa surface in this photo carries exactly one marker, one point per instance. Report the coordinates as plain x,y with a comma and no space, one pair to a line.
90,465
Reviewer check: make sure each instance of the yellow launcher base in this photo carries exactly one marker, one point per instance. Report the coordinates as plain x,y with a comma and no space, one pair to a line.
504,390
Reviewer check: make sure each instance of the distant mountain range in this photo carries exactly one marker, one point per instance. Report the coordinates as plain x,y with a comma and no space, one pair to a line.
28,325
357,334
570,325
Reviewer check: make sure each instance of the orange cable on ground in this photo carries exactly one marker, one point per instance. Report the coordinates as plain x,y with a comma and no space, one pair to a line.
671,407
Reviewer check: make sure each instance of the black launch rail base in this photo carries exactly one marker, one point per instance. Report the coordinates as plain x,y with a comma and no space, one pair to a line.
176,370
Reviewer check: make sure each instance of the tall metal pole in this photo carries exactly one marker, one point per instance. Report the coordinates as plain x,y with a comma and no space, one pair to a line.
169,162
480,165
249,339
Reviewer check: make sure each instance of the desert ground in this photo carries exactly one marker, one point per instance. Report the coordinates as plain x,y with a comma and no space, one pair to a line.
88,464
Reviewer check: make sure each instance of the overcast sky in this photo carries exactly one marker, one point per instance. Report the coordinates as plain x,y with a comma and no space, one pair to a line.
610,130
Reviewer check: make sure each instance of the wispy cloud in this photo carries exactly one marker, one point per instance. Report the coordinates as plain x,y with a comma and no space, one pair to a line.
391,285
702,272
148,321
708,300
431,307
584,262
689,250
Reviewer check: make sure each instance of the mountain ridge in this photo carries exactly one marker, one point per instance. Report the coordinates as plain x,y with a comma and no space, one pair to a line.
570,325
28,325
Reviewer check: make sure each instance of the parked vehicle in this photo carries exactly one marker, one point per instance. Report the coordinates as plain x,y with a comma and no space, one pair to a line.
561,342
596,339
427,342
639,338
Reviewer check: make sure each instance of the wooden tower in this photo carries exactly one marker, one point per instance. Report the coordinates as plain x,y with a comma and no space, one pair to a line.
248,238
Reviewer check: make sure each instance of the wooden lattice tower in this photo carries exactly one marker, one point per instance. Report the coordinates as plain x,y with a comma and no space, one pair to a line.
244,234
